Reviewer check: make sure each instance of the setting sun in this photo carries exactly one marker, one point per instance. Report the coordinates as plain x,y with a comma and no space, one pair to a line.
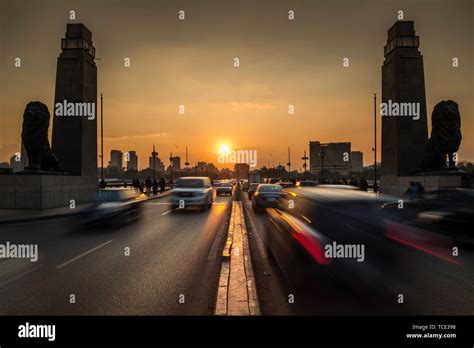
224,148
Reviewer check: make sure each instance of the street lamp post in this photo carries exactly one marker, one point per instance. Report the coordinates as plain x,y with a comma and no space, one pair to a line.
154,154
101,140
187,163
375,143
322,154
289,163
171,169
304,158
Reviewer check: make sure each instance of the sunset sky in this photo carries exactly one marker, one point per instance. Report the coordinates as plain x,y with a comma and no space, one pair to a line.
190,62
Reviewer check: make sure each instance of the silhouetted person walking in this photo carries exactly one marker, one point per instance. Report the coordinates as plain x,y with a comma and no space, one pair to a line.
364,185
162,185
155,187
148,185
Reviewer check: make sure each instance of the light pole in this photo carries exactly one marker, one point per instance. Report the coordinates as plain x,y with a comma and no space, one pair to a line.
289,163
304,158
171,169
375,143
154,154
322,154
187,163
101,140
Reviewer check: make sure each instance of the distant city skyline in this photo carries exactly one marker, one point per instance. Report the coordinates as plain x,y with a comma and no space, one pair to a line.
191,63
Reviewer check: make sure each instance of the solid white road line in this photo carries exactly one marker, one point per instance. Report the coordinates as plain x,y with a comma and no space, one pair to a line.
18,276
83,254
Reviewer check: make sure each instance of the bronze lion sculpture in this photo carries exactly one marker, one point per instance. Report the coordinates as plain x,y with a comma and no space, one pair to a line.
445,137
34,136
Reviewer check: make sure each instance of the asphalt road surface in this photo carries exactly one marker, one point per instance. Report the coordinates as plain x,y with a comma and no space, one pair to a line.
173,267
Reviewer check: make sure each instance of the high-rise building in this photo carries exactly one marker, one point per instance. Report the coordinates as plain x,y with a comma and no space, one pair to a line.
74,140
176,163
403,84
357,161
132,163
116,159
334,157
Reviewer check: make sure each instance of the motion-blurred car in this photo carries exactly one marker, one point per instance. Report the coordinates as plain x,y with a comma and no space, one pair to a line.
285,184
224,188
273,180
339,187
192,191
113,207
252,188
307,220
266,196
306,183
448,212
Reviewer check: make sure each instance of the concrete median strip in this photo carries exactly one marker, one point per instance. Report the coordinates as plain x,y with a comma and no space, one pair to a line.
236,293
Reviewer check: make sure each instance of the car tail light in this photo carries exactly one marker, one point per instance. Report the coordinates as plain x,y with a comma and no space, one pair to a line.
310,239
421,240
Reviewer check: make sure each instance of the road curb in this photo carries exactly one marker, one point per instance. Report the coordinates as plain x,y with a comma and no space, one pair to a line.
59,215
237,295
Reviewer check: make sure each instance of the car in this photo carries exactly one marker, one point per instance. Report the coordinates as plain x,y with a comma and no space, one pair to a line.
266,195
273,180
448,212
310,221
113,207
224,188
306,183
339,187
192,191
252,188
307,220
285,184
245,185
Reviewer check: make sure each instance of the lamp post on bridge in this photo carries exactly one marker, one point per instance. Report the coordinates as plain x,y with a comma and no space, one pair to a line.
304,158
171,169
154,154
187,163
322,154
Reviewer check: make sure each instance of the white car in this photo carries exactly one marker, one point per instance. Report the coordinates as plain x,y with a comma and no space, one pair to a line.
192,191
224,188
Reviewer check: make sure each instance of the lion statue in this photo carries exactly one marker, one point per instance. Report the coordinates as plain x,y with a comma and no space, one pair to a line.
34,136
445,136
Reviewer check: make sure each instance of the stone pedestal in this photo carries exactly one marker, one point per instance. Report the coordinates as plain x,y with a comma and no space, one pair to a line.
44,191
397,185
